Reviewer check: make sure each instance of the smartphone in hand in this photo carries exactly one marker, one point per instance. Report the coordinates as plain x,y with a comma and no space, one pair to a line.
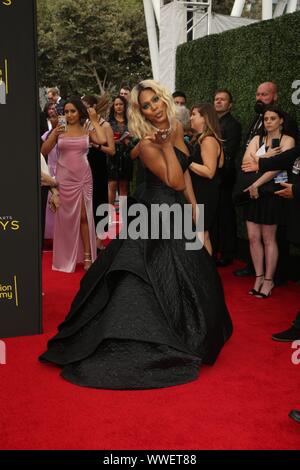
275,143
124,136
62,122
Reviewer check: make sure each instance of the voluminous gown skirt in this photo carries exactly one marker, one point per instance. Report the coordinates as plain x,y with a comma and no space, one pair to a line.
147,315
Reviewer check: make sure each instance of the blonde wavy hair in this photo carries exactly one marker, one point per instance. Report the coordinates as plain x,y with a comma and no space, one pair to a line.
138,125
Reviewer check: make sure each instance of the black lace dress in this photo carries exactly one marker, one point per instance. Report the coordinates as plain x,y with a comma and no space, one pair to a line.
148,312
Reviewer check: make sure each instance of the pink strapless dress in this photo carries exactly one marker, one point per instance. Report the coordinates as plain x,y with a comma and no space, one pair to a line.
74,176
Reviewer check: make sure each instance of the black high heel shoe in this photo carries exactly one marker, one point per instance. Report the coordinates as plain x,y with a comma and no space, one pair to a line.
254,291
261,295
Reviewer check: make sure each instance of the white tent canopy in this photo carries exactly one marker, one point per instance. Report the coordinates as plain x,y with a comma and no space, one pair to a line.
174,28
173,31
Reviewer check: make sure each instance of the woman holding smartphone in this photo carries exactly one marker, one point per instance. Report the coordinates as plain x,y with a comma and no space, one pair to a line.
74,238
119,167
98,154
264,212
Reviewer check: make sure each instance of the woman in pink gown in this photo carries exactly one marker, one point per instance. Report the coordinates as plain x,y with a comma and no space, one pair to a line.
74,239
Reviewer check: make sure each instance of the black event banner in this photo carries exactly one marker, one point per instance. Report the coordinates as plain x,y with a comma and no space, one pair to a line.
20,272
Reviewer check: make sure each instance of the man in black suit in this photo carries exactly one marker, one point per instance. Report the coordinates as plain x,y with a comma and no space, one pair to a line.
289,160
224,235
125,91
266,93
54,97
292,191
43,122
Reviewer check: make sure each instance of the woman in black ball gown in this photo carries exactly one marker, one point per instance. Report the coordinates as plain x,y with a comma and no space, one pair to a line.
149,312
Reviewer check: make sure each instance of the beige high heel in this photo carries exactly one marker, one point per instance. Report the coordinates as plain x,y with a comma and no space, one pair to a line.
87,262
100,245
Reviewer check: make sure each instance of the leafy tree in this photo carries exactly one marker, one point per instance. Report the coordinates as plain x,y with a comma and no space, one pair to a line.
223,7
91,45
252,9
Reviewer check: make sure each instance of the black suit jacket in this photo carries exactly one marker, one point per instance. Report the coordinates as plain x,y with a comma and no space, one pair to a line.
60,106
285,161
231,131
43,123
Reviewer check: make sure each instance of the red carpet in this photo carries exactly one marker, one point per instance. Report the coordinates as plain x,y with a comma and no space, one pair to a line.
241,402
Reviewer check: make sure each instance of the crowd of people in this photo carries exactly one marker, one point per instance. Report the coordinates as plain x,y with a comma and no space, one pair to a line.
196,154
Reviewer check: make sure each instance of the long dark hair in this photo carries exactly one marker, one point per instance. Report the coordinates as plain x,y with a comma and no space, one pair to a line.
47,107
208,111
77,103
101,104
274,108
111,116
91,100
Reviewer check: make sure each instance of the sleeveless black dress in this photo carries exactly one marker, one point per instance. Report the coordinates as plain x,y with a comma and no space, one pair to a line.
148,312
206,190
97,161
119,166
268,209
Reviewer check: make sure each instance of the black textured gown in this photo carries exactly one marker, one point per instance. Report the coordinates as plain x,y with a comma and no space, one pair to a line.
148,312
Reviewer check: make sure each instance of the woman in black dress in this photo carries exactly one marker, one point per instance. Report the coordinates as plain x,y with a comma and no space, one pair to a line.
149,311
208,157
265,211
97,156
120,166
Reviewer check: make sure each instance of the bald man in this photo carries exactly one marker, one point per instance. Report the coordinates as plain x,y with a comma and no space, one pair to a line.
266,93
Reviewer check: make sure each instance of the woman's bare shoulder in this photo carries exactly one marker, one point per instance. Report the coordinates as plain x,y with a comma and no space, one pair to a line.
210,140
146,145
288,139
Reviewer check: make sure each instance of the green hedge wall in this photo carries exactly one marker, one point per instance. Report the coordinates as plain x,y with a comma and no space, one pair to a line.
241,59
